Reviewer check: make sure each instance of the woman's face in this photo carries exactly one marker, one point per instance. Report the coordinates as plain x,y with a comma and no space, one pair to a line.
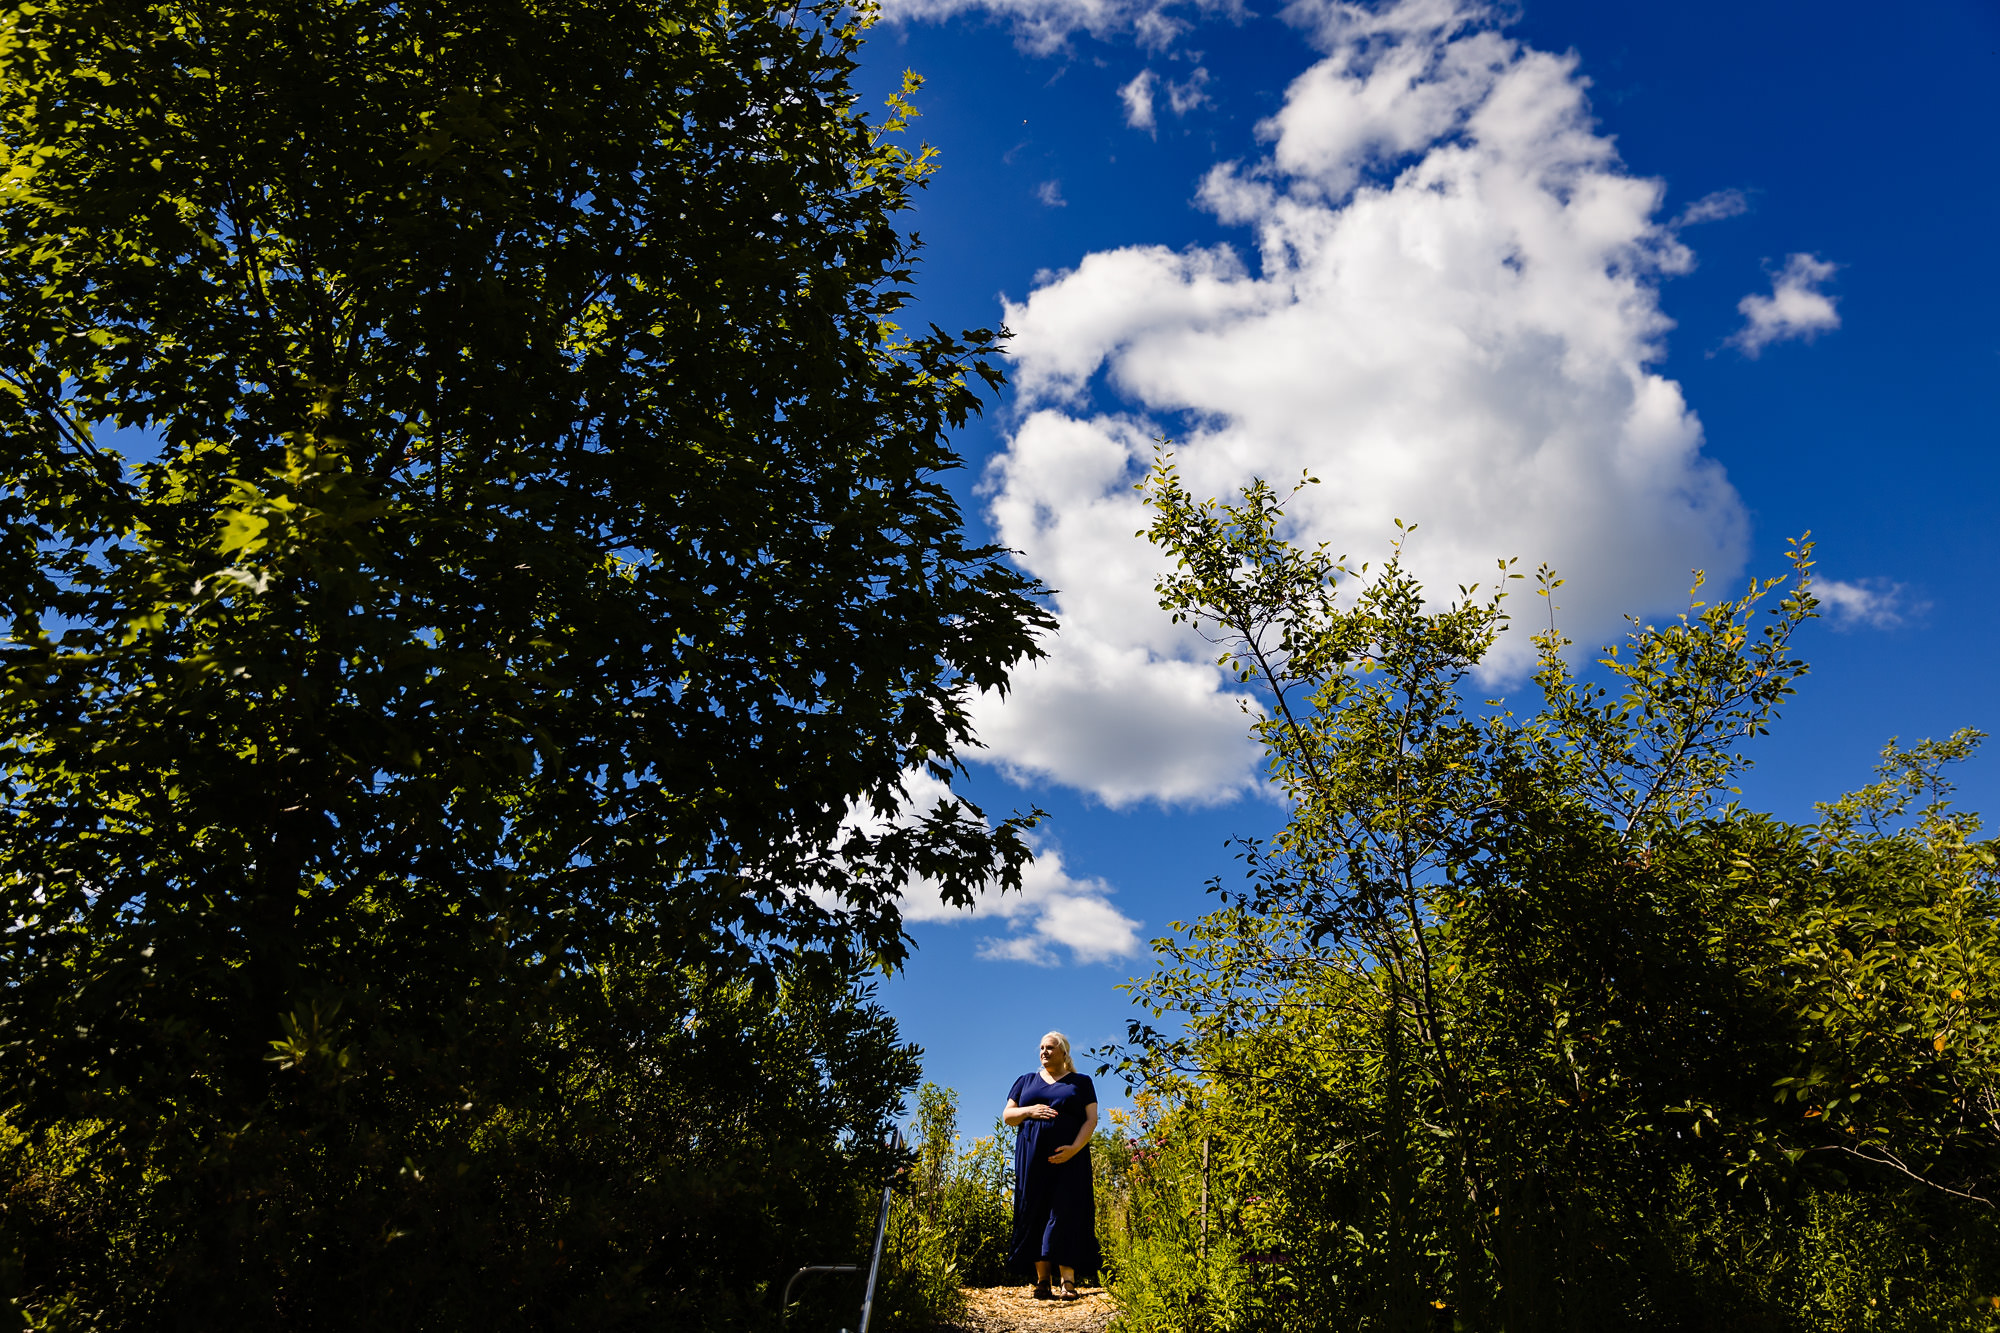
1051,1053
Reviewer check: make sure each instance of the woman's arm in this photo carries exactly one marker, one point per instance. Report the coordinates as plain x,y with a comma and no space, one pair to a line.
1017,1115
1069,1150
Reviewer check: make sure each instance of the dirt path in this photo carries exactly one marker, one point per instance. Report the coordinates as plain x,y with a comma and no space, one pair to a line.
1015,1310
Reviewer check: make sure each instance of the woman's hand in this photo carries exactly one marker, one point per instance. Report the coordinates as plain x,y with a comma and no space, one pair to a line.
1015,1115
1069,1150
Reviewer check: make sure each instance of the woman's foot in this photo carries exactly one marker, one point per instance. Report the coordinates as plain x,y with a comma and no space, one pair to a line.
1042,1292
1068,1289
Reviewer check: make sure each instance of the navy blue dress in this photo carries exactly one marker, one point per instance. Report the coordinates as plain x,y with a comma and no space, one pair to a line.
1055,1209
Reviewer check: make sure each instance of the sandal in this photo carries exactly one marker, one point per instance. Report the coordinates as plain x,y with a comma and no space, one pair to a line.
1068,1290
1042,1292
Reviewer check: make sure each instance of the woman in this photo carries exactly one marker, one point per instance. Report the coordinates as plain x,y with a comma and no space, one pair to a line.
1055,1211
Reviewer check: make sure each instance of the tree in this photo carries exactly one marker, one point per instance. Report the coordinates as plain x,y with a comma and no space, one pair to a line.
538,581
1508,994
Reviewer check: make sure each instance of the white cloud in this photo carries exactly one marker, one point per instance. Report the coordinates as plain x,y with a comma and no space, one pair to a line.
1873,603
1796,307
1713,208
1343,25
1369,104
1138,99
1452,319
1052,910
1120,707
1190,93
1044,26
1123,724
1055,911
1186,95
1050,193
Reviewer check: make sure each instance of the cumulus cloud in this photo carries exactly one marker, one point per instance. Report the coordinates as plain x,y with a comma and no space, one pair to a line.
1051,195
1869,603
1054,910
1796,307
1120,707
1451,317
1138,99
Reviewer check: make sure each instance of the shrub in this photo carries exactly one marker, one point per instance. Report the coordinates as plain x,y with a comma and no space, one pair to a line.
1518,1024
667,1159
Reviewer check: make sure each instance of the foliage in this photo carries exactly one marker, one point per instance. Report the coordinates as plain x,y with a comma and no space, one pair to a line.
952,1218
1836,1260
673,1175
1112,1166
948,1225
1506,988
513,638
1171,1252
964,1193
1889,942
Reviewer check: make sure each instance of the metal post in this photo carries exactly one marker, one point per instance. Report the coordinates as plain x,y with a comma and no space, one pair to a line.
785,1306
881,1233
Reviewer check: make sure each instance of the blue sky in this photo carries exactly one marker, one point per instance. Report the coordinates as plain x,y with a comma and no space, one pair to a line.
1629,288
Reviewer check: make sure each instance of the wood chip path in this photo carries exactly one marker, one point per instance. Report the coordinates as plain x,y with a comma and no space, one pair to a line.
1015,1310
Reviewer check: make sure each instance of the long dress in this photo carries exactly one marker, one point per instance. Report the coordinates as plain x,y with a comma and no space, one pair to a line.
1055,1210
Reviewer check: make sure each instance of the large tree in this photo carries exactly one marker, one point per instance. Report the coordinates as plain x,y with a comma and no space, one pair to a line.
529,563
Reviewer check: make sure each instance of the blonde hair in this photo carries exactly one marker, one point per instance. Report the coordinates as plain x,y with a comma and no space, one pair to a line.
1062,1045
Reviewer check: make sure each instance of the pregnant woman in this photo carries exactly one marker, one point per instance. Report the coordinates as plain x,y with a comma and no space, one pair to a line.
1055,1212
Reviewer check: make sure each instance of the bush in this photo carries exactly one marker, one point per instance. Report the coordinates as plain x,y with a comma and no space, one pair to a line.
1112,1164
1831,1262
949,1222
667,1159
964,1194
1519,1024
